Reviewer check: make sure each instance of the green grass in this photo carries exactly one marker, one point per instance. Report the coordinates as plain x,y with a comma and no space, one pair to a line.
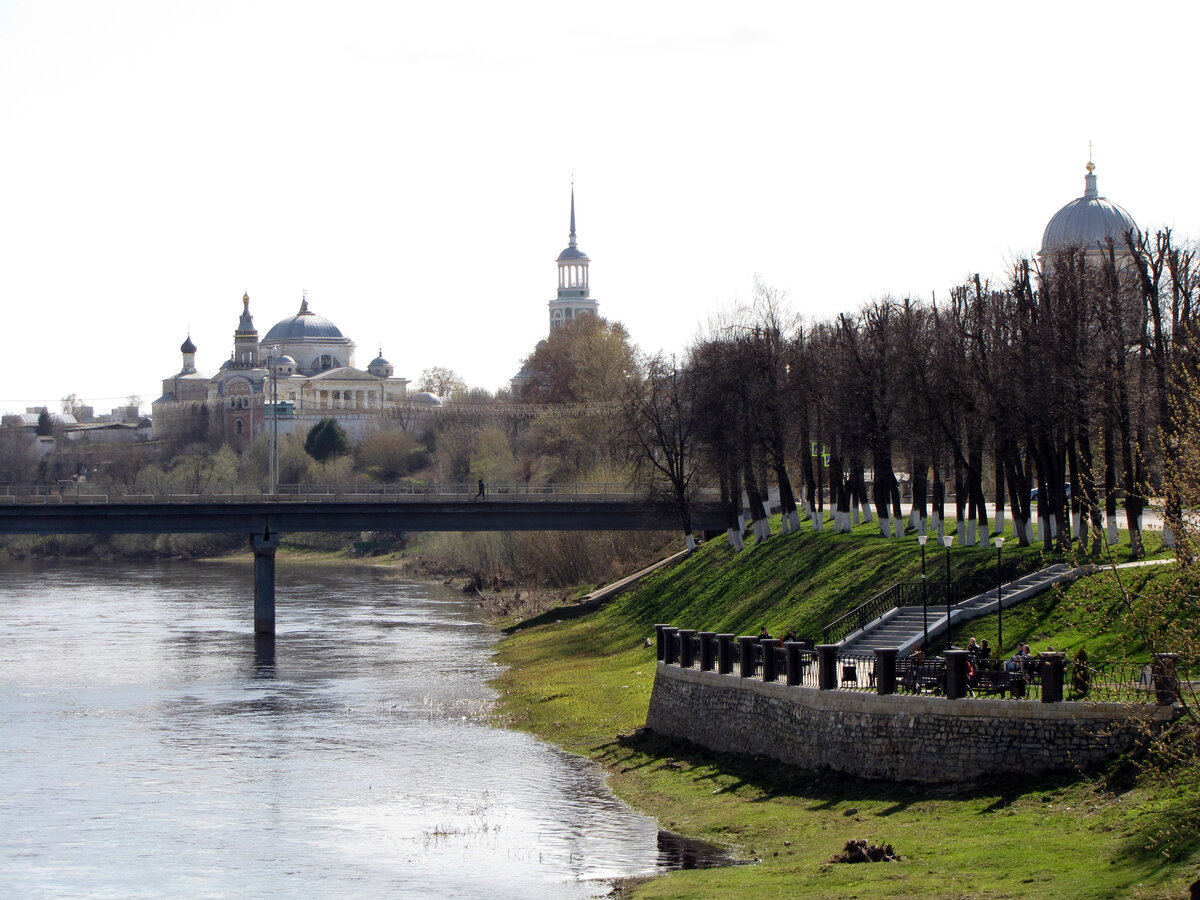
583,681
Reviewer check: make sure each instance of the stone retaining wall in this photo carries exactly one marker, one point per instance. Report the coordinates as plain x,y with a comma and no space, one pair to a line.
894,737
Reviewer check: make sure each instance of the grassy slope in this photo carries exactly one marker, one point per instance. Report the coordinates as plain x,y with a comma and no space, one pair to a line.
584,682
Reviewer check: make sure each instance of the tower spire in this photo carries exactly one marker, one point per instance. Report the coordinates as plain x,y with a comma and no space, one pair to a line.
572,213
1090,192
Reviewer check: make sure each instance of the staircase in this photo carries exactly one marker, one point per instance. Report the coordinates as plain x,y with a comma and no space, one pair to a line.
902,626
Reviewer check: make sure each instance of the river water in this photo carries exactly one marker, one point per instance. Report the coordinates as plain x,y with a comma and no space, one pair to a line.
150,747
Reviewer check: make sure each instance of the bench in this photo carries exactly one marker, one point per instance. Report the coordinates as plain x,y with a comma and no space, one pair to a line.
995,681
921,676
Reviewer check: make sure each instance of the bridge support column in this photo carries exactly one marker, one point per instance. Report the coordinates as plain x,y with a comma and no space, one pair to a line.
264,546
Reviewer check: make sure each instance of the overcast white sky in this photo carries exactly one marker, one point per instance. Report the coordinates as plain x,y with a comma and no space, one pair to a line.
409,165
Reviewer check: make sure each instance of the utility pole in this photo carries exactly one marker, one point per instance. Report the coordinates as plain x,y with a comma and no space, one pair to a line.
273,462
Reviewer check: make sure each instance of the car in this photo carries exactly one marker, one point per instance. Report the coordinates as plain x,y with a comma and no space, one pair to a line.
1033,495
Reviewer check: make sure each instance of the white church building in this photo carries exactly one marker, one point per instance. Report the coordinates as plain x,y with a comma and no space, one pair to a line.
302,368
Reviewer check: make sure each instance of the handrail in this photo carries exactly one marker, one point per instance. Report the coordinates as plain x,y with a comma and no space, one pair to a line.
904,593
908,593
508,491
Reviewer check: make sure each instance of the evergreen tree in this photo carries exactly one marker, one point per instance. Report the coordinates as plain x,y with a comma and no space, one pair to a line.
326,440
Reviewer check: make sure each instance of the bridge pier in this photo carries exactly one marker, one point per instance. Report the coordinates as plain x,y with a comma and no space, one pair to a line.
264,546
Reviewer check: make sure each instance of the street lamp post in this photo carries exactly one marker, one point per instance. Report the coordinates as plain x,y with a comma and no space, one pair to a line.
999,603
921,539
948,540
274,461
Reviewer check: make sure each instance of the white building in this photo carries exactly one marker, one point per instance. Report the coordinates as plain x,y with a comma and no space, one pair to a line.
303,369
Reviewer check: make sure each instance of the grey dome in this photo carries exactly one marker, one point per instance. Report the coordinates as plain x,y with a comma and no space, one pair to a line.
378,362
187,346
304,325
1088,222
425,398
285,360
572,252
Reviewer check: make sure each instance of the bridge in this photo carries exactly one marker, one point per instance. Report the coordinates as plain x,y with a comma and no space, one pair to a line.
264,518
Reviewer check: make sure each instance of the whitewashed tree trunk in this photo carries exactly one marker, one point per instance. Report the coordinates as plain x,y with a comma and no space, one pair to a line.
1030,534
1112,530
854,516
1168,535
867,514
690,540
898,527
794,518
971,533
742,523
940,526
1000,520
818,522
735,540
921,524
962,533
885,528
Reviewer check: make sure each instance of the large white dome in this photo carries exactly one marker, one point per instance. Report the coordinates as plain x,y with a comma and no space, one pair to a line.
1088,222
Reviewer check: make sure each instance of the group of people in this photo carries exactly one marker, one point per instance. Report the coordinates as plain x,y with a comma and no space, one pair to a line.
766,635
979,650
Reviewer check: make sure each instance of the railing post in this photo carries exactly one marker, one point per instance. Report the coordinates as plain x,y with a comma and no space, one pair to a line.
885,669
707,645
1052,676
827,666
956,673
724,654
770,671
795,672
746,645
1166,678
658,640
669,645
686,657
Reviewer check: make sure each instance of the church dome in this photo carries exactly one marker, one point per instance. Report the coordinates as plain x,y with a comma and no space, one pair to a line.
187,346
305,325
1088,222
378,362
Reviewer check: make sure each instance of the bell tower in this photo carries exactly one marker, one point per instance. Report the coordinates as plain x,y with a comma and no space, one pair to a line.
574,294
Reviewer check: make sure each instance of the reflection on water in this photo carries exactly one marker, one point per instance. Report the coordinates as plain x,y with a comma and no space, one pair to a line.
151,745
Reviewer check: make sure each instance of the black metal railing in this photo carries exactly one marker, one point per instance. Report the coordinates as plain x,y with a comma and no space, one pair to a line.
911,593
906,593
1048,677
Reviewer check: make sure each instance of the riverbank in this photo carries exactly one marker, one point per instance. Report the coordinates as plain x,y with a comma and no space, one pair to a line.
582,679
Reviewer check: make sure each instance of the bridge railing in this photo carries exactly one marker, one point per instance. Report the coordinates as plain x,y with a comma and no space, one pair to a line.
315,493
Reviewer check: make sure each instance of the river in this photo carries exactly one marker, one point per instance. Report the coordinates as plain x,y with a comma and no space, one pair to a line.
150,747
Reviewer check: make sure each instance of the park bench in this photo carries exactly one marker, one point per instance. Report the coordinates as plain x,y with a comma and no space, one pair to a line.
996,681
921,676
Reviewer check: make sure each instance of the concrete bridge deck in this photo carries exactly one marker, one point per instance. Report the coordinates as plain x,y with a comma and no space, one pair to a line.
224,516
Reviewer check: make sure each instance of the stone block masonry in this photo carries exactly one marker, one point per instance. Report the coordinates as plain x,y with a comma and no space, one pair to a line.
893,737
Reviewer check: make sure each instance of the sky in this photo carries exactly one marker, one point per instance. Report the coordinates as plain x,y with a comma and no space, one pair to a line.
409,166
